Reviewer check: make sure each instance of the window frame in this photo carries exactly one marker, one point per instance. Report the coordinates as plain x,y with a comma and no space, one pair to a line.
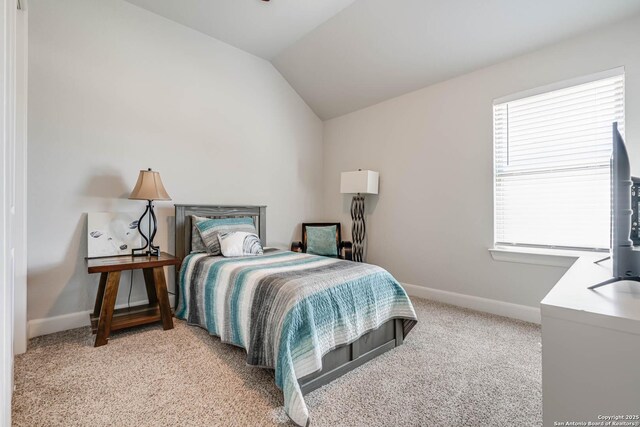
516,252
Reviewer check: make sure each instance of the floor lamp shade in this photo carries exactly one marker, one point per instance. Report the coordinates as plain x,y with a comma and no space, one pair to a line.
149,187
363,182
359,183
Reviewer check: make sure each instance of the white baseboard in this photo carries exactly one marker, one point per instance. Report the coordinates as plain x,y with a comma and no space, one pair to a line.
50,325
501,308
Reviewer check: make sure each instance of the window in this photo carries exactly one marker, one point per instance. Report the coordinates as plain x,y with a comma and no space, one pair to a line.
552,148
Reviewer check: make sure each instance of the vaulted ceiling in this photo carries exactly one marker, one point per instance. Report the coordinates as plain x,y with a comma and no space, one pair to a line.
343,55
259,27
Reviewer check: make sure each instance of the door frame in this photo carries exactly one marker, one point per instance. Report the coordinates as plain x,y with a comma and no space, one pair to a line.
10,195
20,329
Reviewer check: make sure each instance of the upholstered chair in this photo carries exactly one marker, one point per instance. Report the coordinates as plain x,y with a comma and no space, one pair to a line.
323,238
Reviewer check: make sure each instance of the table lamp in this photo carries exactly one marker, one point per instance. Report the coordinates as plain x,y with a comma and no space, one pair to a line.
358,182
149,187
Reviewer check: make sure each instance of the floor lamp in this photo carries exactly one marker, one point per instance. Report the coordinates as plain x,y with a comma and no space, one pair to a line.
358,183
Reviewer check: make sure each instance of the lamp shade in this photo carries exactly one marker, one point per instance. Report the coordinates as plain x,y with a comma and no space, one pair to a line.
363,182
149,187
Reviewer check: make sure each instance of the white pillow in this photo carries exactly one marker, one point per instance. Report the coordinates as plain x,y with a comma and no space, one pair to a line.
239,243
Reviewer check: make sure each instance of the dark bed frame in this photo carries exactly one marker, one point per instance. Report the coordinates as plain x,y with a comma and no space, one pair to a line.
338,361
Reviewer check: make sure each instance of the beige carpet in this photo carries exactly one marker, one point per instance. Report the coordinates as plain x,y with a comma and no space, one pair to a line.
456,368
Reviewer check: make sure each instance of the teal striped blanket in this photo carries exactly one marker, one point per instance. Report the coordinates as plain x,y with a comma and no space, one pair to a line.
289,309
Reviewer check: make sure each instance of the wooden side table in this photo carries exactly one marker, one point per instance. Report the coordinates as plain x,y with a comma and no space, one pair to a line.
105,319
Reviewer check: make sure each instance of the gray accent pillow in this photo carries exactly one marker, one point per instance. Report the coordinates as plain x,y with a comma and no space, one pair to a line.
197,245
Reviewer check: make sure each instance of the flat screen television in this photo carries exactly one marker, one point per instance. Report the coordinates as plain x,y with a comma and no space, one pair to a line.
625,258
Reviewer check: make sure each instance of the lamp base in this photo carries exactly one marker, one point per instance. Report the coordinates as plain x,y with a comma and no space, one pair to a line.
149,249
358,229
137,252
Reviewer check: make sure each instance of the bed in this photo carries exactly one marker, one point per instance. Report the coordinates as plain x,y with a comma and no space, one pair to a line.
310,318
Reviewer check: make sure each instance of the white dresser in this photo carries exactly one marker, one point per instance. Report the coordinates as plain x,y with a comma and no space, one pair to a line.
590,348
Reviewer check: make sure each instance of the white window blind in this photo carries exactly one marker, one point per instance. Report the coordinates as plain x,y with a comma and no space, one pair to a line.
551,155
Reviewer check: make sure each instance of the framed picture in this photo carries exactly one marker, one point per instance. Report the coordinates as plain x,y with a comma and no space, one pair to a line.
112,233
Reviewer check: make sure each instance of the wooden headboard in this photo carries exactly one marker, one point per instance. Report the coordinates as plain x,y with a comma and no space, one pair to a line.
183,221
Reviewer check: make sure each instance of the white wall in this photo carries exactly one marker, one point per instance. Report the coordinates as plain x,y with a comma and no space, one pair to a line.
114,89
432,223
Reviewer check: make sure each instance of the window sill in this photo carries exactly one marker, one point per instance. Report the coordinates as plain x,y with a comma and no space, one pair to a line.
538,256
